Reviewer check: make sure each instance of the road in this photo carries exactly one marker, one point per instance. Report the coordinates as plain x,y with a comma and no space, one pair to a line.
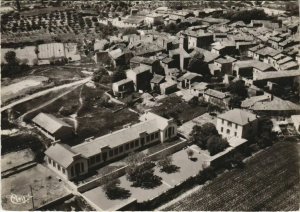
41,93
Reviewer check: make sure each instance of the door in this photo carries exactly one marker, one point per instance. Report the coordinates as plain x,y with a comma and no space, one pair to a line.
77,169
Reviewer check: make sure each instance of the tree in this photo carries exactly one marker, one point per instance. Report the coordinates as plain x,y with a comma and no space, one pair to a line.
216,144
190,153
200,134
99,74
165,165
113,191
129,31
118,75
238,88
198,65
18,5
206,174
10,57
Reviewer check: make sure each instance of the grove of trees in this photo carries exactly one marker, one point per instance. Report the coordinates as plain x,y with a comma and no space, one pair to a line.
13,66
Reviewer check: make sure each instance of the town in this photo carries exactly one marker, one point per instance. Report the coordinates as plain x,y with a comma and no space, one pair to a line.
150,105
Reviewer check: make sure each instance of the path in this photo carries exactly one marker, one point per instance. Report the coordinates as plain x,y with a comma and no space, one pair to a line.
41,93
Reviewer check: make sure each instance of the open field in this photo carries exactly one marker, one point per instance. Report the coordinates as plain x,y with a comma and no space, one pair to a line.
175,105
14,159
270,181
45,187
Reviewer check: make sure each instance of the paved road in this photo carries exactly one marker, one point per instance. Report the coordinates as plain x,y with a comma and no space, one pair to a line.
41,93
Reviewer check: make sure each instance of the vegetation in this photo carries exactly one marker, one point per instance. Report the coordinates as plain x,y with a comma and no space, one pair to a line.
165,165
117,76
113,190
239,93
261,185
13,66
197,65
216,144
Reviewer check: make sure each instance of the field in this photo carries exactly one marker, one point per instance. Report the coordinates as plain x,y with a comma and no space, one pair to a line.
45,187
175,105
269,182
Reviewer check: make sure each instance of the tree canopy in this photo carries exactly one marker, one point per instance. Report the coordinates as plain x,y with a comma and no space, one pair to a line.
200,134
197,64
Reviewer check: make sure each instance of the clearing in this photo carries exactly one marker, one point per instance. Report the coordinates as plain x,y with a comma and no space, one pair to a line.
269,182
45,187
14,159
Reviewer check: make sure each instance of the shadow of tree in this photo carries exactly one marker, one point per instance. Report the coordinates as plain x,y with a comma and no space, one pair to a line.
118,193
194,159
170,169
148,181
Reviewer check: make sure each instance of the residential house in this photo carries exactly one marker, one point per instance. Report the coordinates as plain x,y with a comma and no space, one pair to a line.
224,48
198,88
264,53
168,87
153,19
141,77
156,81
186,80
216,97
123,87
72,162
198,39
225,64
237,123
53,127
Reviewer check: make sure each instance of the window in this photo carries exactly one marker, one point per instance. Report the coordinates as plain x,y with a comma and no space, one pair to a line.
228,131
221,129
98,158
229,123
116,151
236,126
132,144
82,167
152,137
136,143
54,164
121,149
49,160
111,153
142,140
92,160
58,167
156,135
222,121
148,138
127,146
64,171
235,133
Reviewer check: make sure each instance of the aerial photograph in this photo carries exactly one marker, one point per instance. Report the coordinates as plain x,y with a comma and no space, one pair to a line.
163,105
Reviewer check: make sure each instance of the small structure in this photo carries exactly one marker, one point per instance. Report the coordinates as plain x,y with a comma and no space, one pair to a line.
186,80
168,87
52,127
141,77
156,81
237,123
123,87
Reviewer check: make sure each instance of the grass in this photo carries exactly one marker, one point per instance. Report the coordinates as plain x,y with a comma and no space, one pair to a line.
175,105
270,182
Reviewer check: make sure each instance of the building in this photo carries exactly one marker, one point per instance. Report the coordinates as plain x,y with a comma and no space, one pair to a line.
71,162
168,87
123,87
186,80
198,39
153,19
156,81
141,77
216,97
296,122
248,68
52,127
237,123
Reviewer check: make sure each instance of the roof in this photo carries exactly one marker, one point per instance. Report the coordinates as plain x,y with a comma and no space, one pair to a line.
215,93
238,116
157,78
252,100
61,154
199,85
276,104
253,64
141,69
225,60
199,33
235,142
145,60
168,84
116,53
295,118
208,56
167,60
289,65
268,51
151,123
275,74
122,82
189,76
49,122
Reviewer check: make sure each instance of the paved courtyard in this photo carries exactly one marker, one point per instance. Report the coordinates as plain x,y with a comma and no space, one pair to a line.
187,168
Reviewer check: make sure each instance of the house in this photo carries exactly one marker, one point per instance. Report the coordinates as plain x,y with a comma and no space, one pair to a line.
168,87
156,81
225,48
296,122
153,19
237,123
247,68
120,57
141,77
52,127
186,80
264,53
198,88
225,64
216,97
72,162
123,87
198,39
154,64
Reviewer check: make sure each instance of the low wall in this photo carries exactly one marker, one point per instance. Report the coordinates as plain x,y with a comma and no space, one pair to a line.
54,202
120,172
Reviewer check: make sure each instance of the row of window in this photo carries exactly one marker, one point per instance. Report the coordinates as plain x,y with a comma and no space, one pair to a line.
56,165
229,124
128,146
79,168
228,131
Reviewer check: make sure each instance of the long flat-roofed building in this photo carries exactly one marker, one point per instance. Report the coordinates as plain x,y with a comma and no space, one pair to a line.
71,162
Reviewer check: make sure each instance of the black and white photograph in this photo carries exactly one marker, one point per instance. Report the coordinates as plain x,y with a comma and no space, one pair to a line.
163,105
